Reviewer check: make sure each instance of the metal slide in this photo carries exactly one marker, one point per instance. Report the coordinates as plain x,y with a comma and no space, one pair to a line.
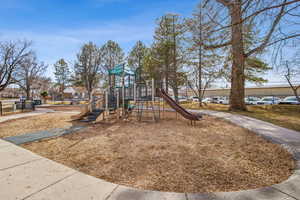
182,111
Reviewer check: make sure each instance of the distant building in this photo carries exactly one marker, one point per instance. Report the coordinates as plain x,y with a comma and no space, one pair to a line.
10,92
75,92
258,91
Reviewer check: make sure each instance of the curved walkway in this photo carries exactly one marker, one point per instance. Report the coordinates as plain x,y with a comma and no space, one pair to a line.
27,176
38,111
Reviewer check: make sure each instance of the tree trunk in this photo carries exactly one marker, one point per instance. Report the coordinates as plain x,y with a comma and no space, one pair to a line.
174,70
62,92
200,60
200,80
167,78
237,92
89,90
295,91
27,90
28,93
293,88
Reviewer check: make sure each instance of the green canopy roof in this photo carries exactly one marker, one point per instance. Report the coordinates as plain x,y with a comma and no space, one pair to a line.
120,69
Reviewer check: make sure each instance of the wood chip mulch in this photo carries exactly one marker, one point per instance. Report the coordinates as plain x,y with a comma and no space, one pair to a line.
171,155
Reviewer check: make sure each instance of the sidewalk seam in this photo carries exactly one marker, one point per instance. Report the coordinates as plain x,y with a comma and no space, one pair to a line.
284,193
110,194
186,196
24,163
46,187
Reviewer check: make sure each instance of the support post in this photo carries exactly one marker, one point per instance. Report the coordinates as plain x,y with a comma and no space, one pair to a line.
134,92
159,109
153,92
163,111
23,104
14,108
153,99
118,99
123,90
106,101
118,104
123,99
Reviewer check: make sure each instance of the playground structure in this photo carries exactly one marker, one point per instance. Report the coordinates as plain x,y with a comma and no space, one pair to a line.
129,92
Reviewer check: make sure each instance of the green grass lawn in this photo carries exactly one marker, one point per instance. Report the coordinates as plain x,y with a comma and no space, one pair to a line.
287,116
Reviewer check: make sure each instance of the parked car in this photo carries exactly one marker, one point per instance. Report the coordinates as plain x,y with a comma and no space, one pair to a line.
290,100
37,102
182,99
223,101
207,100
268,101
215,99
220,100
22,98
194,99
251,100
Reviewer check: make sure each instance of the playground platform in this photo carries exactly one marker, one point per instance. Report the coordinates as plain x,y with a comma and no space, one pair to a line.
27,176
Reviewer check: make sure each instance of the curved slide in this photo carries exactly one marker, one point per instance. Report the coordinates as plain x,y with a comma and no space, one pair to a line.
183,112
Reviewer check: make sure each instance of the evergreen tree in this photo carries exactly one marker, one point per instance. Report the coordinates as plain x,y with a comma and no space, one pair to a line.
112,55
62,75
136,55
168,52
88,66
255,67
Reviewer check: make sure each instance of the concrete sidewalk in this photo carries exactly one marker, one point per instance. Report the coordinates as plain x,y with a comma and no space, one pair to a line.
27,176
38,111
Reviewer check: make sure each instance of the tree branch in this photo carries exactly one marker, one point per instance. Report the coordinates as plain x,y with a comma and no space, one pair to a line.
215,46
256,13
268,36
283,39
225,2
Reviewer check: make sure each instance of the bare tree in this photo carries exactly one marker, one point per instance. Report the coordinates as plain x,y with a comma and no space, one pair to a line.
272,15
12,55
291,73
205,62
29,72
41,84
208,76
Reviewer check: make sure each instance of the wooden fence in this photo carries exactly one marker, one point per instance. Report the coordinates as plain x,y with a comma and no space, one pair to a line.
15,107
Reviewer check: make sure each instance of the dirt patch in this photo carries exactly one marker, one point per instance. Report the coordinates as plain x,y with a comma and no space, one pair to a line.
172,156
36,123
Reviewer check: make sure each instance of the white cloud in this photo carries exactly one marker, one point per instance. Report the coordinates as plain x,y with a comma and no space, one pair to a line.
65,43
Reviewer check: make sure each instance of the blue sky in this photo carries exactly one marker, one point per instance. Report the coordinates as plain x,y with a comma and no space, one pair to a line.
59,27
